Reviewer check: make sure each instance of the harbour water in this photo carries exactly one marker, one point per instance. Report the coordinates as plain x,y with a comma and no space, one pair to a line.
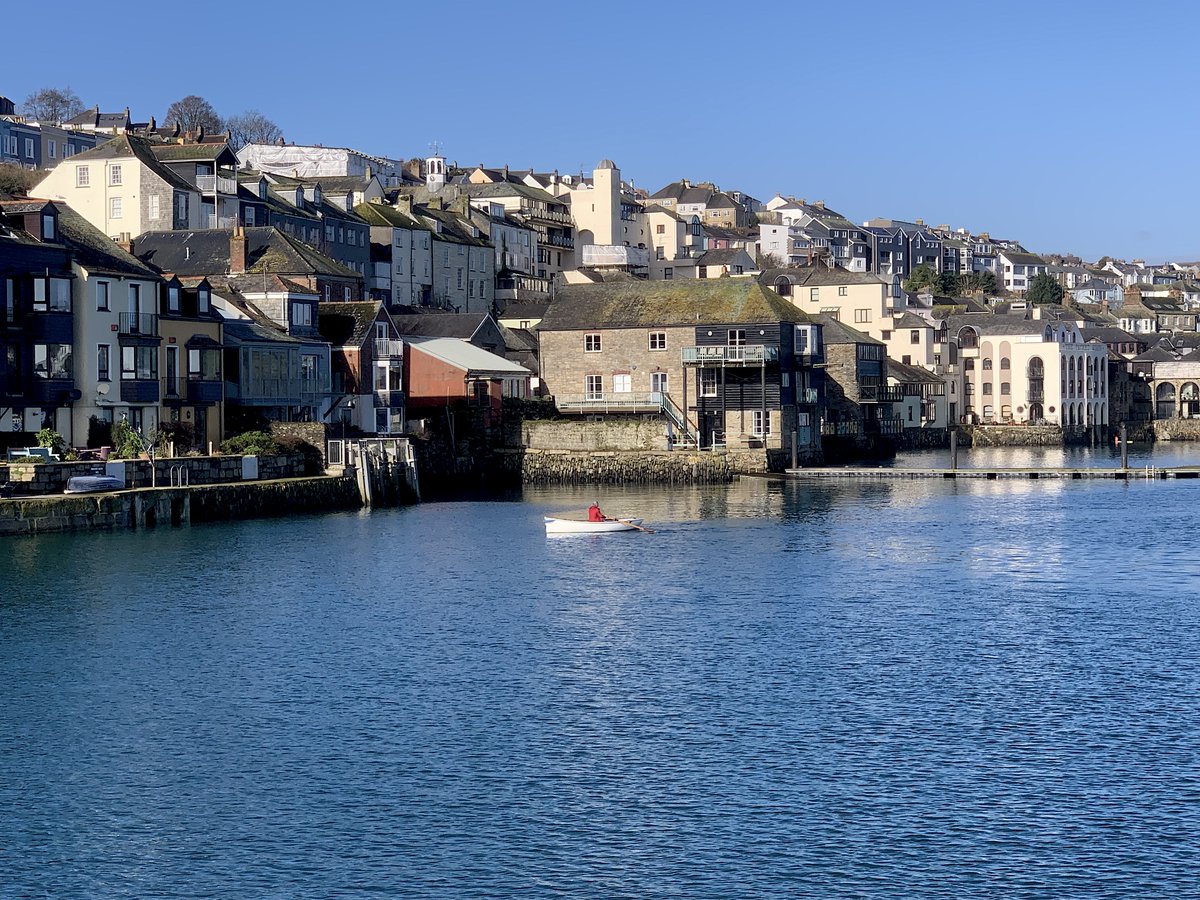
886,689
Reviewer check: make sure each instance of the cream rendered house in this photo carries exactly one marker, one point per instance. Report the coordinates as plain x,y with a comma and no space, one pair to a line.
1030,371
611,228
122,189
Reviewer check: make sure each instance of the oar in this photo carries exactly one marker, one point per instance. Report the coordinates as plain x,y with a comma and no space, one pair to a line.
631,525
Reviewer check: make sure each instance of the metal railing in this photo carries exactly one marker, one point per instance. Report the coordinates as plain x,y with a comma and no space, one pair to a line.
806,395
138,323
724,355
385,347
880,393
617,401
223,223
220,184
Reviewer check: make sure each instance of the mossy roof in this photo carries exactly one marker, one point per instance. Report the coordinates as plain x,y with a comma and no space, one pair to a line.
647,304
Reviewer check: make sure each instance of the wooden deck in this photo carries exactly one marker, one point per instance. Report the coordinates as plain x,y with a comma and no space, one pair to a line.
864,473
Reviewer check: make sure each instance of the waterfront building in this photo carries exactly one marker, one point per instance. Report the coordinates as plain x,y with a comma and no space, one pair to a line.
611,228
677,240
443,375
367,367
37,323
858,397
118,342
478,329
1030,370
922,396
193,397
122,188
725,361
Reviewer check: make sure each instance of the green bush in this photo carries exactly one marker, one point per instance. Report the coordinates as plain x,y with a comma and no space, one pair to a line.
250,443
52,440
127,443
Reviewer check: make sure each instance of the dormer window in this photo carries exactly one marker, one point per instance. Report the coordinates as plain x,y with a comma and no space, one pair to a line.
49,232
262,189
173,299
202,300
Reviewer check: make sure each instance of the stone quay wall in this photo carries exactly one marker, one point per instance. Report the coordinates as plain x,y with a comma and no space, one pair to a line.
627,467
1175,430
35,479
1014,435
614,433
160,507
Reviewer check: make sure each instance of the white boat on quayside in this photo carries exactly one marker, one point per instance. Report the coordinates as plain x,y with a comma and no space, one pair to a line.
582,526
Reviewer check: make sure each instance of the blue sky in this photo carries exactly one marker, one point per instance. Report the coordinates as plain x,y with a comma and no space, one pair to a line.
1066,126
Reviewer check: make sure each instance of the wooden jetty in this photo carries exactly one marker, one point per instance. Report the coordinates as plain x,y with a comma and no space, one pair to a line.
993,474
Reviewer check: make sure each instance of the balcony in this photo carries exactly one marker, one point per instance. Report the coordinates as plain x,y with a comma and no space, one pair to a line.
559,240
389,399
807,396
216,184
139,390
531,211
879,393
1035,395
192,391
386,348
615,255
138,324
616,402
222,223
745,355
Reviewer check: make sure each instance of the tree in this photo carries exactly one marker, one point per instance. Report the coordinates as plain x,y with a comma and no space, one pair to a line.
1044,288
987,281
17,181
947,284
766,261
52,105
251,127
193,113
922,278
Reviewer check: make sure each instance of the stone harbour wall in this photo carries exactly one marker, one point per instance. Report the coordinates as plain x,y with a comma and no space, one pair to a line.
1014,435
614,433
35,479
160,507
1175,430
628,467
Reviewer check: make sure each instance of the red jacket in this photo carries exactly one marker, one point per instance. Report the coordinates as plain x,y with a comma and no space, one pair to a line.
594,514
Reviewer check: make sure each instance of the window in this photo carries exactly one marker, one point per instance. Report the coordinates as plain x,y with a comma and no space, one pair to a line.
987,388
139,363
591,343
658,340
114,208
702,271
622,384
29,148
814,294
660,252
914,336
593,386
47,227
968,364
668,274
173,299
660,229
658,382
760,424
1005,388
301,314
102,362
887,335
346,293
202,301
842,291
83,176
52,149
708,382
102,296
862,315
153,210
460,279
52,360
114,174
329,234
987,365
51,295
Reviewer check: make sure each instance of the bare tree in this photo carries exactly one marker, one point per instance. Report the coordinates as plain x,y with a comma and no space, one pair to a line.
52,105
251,127
193,113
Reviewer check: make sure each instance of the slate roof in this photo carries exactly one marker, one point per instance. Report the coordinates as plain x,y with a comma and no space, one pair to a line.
1110,335
998,324
725,257
906,374
268,251
721,200
246,331
910,320
834,331
175,152
379,215
1021,258
647,304
525,310
461,326
94,250
347,324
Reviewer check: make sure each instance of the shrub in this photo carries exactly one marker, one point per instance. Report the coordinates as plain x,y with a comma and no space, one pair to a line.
52,440
250,443
127,443
314,459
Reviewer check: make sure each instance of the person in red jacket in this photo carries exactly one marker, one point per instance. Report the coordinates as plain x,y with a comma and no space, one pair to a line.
594,514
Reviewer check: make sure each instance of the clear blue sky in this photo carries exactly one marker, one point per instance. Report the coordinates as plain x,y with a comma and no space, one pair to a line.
1066,126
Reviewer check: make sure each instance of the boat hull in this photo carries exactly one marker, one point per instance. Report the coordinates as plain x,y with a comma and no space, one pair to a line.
578,526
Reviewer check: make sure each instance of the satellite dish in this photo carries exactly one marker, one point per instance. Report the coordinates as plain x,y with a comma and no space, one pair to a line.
102,389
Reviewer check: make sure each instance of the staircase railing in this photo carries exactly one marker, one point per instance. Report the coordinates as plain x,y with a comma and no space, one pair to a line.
678,418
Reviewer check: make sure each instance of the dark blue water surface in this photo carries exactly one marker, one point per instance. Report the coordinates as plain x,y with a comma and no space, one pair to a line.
881,690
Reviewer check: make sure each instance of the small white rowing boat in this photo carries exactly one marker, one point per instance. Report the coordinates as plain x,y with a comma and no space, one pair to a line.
581,526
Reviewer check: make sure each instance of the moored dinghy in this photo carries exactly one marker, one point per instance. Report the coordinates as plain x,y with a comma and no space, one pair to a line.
582,526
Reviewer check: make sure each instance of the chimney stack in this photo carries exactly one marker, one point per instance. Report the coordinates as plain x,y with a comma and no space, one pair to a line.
404,203
237,251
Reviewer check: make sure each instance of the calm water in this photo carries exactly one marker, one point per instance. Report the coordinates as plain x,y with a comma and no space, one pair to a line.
878,690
